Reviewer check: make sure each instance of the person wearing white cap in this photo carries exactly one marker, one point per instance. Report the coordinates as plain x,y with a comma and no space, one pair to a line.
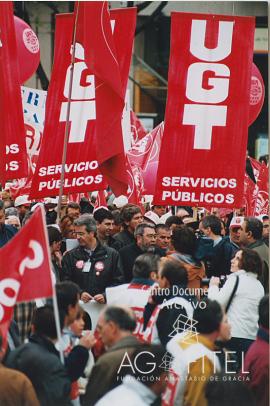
22,203
234,231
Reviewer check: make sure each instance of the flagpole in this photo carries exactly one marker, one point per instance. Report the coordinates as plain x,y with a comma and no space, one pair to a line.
67,126
58,326
55,305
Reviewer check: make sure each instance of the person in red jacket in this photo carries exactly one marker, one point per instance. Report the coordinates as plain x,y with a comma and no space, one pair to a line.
257,358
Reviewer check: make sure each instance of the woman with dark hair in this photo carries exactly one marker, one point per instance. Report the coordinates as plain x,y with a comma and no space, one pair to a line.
240,297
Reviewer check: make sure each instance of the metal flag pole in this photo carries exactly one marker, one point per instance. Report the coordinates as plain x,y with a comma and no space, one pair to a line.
67,125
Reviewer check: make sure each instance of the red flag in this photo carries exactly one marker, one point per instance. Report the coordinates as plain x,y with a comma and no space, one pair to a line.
26,275
249,198
261,192
100,200
81,170
256,167
137,129
93,21
202,157
13,162
147,149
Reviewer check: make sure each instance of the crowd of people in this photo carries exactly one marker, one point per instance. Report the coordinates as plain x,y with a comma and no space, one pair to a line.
184,308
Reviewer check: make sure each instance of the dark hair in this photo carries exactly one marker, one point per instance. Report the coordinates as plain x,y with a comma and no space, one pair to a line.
67,293
139,230
173,220
44,322
127,212
102,214
184,240
116,217
148,357
250,261
174,272
120,316
255,226
208,317
73,205
213,222
53,234
223,391
162,227
1,205
264,312
145,264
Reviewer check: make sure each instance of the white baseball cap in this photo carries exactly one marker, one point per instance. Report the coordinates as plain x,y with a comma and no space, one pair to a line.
236,221
21,201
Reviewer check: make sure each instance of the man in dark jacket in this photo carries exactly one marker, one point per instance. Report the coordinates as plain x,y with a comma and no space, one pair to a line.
145,235
92,266
39,360
251,237
131,216
222,252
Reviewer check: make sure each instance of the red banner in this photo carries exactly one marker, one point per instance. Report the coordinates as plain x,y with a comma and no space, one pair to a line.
88,142
261,192
13,162
202,158
137,129
26,275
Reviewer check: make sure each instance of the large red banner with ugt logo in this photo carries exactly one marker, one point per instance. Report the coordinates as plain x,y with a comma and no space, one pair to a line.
202,158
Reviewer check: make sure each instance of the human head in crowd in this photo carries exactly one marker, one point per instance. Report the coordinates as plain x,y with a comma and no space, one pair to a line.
27,217
68,295
73,210
264,159
77,326
173,221
265,221
145,235
104,220
223,391
11,211
223,227
209,319
225,332
86,206
234,229
67,227
43,322
150,356
163,236
5,196
251,231
2,212
55,239
264,312
171,273
210,226
117,223
85,230
184,240
131,216
247,259
182,213
114,324
146,266
13,221
159,210
22,204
